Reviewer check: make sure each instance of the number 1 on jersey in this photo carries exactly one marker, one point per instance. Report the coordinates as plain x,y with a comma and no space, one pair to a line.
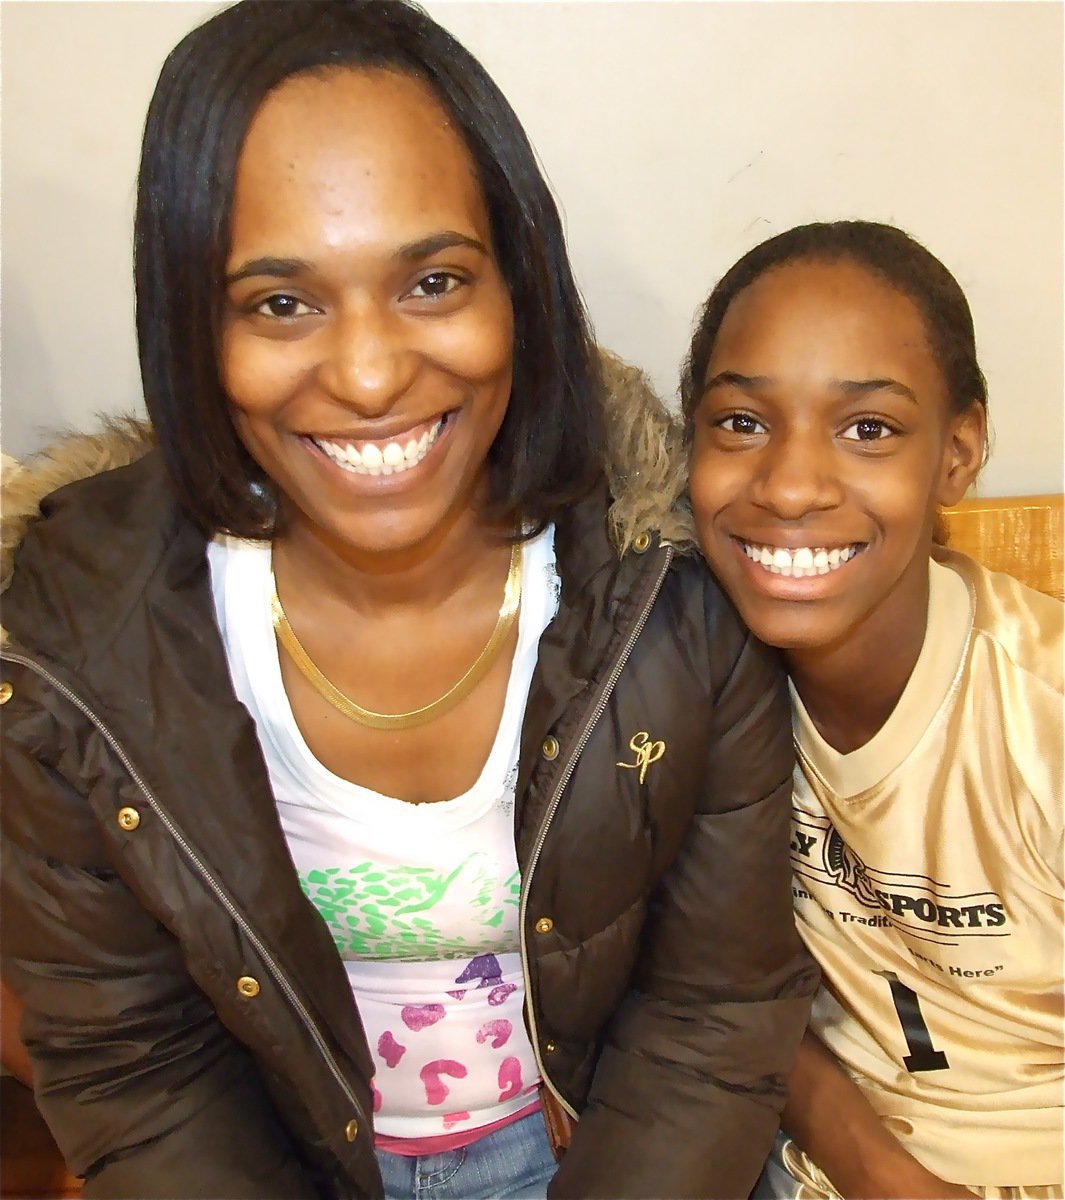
923,1056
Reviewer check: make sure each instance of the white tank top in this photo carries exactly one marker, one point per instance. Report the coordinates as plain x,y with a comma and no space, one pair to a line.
422,900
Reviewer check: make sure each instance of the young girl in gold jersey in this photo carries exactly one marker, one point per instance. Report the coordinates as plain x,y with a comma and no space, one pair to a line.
833,403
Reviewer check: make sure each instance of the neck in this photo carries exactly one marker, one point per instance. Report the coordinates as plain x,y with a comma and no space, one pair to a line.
421,575
851,687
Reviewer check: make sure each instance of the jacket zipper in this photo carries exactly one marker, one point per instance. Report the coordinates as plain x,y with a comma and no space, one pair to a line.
272,966
571,765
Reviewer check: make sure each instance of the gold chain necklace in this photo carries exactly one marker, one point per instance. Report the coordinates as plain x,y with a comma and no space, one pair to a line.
508,613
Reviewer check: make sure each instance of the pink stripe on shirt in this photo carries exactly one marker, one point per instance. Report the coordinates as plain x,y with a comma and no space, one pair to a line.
414,1147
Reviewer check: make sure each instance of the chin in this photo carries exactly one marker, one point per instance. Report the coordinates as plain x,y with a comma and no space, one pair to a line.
788,628
383,539
791,639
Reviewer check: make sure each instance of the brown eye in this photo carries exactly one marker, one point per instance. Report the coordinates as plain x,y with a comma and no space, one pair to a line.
741,423
868,429
283,306
435,284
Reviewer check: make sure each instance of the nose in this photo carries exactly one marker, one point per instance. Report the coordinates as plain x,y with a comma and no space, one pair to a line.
797,476
368,361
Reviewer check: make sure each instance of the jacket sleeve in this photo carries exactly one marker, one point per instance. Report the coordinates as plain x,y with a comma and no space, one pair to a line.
686,1097
145,1091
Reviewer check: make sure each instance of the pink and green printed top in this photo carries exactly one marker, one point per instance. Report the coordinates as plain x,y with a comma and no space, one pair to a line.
422,900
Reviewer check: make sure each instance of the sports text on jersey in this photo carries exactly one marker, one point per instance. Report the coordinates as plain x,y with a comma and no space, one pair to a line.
914,904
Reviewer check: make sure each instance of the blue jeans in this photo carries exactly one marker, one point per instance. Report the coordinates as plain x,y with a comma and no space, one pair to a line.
513,1163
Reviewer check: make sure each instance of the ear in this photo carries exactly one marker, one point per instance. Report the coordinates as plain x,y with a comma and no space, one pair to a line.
963,454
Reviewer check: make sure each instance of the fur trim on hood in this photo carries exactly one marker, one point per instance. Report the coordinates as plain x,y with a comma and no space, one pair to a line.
646,466
73,456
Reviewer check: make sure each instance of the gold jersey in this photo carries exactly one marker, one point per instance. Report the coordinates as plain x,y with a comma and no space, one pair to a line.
928,880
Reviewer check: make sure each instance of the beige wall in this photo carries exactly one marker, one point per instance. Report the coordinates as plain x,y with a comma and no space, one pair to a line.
676,135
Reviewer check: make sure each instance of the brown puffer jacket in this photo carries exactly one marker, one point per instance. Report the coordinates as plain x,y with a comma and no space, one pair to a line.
189,1018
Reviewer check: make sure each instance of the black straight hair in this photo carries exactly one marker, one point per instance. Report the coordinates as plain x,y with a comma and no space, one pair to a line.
884,250
549,450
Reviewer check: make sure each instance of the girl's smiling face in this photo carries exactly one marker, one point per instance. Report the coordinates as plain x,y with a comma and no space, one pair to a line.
824,441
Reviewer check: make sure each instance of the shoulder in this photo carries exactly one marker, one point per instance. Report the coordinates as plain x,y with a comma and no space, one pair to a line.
74,458
78,554
1020,630
691,585
707,631
1013,688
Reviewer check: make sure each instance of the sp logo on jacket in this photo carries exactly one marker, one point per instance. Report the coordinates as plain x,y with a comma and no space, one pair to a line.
646,752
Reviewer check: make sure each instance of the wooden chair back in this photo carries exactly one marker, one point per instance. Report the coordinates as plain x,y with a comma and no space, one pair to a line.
1021,535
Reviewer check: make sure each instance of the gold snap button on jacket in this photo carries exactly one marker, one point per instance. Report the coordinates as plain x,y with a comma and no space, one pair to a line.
544,925
351,1130
549,1047
6,692
128,819
248,987
549,749
641,542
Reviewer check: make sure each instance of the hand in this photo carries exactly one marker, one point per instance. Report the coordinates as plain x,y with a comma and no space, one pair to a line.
926,1186
856,1151
905,1179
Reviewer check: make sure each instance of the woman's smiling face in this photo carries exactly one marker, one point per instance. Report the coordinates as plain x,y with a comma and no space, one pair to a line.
824,442
368,333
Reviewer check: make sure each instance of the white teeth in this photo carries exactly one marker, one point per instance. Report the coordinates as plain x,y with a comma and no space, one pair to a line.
387,458
801,562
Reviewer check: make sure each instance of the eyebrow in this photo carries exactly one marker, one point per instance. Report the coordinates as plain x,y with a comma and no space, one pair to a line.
735,379
859,387
426,247
851,387
278,268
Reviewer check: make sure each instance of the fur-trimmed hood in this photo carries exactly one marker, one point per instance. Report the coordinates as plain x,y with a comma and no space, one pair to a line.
73,456
645,466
